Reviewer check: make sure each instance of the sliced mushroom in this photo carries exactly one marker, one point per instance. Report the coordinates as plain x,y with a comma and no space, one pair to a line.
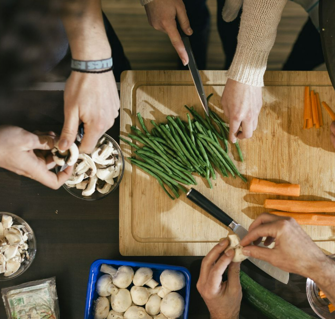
103,154
139,295
123,277
105,286
115,315
171,280
89,167
136,313
121,301
143,276
75,179
234,243
172,305
68,157
2,264
160,316
13,236
153,305
1,231
7,221
89,190
105,188
101,308
12,267
82,185
107,269
10,252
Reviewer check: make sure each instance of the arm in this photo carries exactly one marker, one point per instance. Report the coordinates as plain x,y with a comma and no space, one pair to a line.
89,98
242,97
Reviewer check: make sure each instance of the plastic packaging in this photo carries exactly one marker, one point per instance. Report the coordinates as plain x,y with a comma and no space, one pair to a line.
32,300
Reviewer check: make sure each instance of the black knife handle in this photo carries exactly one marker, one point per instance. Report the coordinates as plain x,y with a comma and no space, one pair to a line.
209,207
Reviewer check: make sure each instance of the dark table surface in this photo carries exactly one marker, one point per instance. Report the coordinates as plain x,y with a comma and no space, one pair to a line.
72,233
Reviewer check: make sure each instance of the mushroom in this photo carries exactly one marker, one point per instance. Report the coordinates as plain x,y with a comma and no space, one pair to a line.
1,231
101,308
86,166
143,276
13,236
2,264
104,188
68,157
234,243
115,315
103,154
10,252
123,277
107,269
74,179
153,305
135,312
12,266
82,185
105,286
89,190
7,221
171,280
121,301
160,316
172,305
140,295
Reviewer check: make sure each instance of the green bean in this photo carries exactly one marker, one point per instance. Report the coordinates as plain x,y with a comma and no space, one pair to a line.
190,127
239,151
182,188
136,138
203,152
161,166
129,143
140,119
208,179
172,187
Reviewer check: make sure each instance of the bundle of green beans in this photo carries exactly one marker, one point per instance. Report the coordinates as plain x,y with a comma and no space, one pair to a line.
172,151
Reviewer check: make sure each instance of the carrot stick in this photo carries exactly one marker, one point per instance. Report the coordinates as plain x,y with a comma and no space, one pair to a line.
331,308
329,110
307,108
296,206
322,294
315,110
319,109
262,186
309,219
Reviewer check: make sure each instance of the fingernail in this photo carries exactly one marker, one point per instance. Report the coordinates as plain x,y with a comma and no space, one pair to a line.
184,62
189,31
222,241
62,144
229,253
246,252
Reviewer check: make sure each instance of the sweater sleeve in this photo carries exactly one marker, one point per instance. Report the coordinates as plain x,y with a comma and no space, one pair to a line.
258,29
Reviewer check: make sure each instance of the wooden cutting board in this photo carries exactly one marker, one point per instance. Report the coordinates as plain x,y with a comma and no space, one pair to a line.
280,150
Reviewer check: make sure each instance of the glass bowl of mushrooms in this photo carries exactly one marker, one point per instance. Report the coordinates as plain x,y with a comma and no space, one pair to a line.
98,174
17,246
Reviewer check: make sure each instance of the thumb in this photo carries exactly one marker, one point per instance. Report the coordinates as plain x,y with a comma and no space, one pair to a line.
231,10
69,131
265,254
183,20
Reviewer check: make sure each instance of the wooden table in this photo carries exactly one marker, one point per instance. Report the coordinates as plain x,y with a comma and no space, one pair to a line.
71,233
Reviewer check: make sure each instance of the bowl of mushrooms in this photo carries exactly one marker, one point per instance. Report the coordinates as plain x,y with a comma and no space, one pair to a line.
95,175
17,246
131,290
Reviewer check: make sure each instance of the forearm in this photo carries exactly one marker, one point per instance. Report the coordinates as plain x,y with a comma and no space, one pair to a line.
258,29
85,29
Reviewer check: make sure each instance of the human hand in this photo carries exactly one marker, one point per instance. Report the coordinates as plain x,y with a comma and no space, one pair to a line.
294,250
28,154
162,16
92,99
223,299
241,104
332,133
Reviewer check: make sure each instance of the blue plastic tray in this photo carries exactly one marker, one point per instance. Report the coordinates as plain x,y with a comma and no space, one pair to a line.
157,269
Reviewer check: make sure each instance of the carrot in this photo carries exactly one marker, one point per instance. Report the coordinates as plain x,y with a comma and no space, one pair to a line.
262,186
307,109
331,308
315,112
309,219
319,109
296,206
329,110
322,294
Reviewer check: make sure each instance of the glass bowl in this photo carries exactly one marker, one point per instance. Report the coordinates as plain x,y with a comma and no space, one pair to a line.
31,247
96,195
319,305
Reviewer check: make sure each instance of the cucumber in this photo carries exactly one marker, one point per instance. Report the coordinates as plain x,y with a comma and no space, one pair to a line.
268,303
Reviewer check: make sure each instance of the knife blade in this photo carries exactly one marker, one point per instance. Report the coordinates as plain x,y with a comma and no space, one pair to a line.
192,65
220,215
327,32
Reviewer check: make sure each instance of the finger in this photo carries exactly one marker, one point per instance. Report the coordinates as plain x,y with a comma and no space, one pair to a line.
332,128
247,130
49,133
255,123
177,42
234,276
263,219
212,257
69,131
234,127
216,273
183,20
268,241
260,253
91,137
40,142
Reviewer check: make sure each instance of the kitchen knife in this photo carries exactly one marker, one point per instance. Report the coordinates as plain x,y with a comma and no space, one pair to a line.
327,32
220,215
194,70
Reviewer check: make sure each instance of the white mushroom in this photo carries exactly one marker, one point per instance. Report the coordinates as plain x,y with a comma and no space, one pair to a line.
105,188
101,308
171,280
68,157
90,188
143,276
1,231
234,243
123,277
82,185
121,301
160,316
90,168
140,295
103,154
153,305
2,264
105,173
7,221
115,315
172,305
105,286
107,269
12,267
10,252
13,236
75,179
136,313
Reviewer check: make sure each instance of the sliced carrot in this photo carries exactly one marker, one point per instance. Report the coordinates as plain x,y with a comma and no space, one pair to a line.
309,123
296,206
315,110
331,308
309,219
307,108
319,108
329,110
266,187
322,294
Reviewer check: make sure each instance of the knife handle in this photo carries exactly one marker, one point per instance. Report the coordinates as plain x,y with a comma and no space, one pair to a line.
209,207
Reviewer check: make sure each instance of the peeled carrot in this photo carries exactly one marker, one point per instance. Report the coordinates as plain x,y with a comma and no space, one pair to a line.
307,109
296,206
262,186
319,108
322,294
329,110
315,112
309,219
331,308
